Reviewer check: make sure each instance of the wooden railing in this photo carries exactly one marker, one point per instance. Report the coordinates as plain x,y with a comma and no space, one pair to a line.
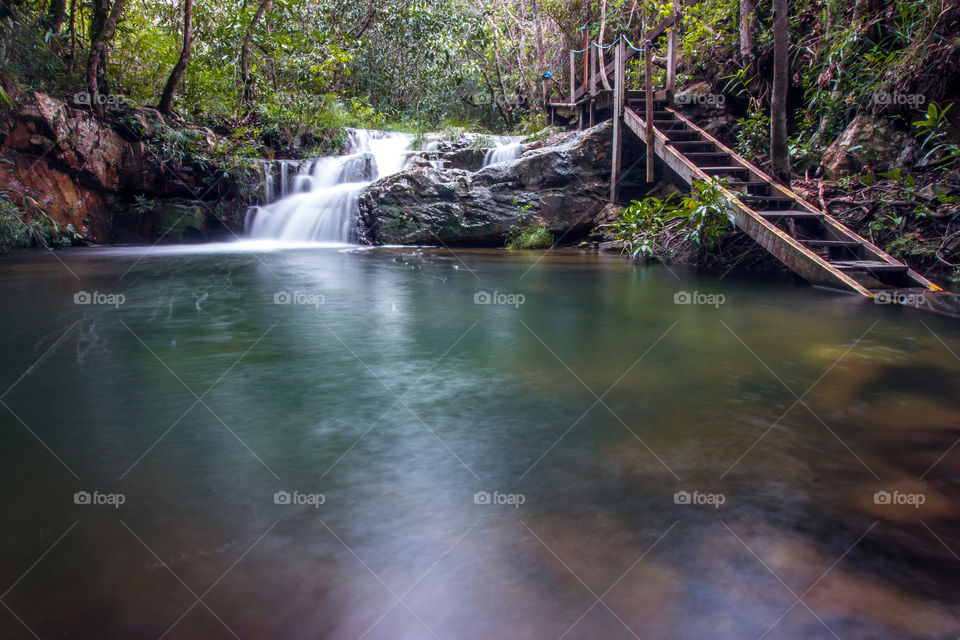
598,73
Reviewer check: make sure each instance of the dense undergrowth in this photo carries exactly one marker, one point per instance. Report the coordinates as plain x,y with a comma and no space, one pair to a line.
896,63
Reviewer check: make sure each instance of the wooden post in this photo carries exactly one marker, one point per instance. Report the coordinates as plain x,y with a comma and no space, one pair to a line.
573,79
648,102
672,51
586,61
592,86
593,70
618,94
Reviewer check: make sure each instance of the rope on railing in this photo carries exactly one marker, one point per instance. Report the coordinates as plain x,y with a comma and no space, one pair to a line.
633,46
549,74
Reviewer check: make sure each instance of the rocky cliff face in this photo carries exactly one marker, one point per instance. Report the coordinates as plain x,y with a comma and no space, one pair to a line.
562,182
108,179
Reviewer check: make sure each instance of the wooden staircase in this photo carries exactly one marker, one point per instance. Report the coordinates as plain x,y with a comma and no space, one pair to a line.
811,243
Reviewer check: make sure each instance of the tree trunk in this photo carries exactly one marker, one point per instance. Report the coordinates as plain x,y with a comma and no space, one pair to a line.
247,89
541,58
779,151
166,98
73,31
56,13
748,24
97,62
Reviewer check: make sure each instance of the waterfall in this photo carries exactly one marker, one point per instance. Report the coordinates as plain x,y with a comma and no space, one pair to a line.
276,178
507,150
320,203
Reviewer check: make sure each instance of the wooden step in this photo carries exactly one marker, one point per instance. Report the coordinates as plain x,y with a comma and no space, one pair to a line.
776,215
831,243
711,158
870,266
670,125
684,133
691,144
713,171
772,198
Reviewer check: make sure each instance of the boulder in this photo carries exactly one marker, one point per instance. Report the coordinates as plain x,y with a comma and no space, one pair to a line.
80,168
868,142
563,184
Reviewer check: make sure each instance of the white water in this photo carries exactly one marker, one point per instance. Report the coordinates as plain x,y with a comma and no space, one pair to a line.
321,203
505,151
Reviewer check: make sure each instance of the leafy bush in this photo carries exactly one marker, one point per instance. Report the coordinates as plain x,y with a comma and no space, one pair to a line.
935,132
19,231
534,236
753,137
527,233
640,224
702,218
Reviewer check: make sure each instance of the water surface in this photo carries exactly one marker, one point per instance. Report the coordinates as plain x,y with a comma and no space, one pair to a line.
592,406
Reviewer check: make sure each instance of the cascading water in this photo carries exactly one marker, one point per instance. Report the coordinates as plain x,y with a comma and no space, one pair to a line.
507,150
322,203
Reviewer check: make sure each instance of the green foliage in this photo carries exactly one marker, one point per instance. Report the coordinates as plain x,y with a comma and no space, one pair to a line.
708,214
480,142
527,233
702,218
753,136
938,137
534,236
20,231
639,225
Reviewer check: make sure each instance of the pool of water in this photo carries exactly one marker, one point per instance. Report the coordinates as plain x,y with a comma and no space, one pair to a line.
258,441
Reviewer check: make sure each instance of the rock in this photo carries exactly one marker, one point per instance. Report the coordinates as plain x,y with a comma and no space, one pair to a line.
876,144
694,94
563,185
81,169
719,125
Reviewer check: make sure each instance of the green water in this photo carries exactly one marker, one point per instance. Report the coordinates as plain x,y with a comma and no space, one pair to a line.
396,397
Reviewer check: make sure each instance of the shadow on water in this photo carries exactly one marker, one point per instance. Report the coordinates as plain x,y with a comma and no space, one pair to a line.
407,443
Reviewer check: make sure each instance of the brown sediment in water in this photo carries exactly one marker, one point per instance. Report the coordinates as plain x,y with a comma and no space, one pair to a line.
840,595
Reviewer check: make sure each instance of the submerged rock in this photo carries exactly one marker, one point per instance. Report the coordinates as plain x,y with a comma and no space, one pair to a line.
562,182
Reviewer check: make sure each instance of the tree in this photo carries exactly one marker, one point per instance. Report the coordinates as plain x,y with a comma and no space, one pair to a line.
779,151
246,79
56,13
166,98
748,24
103,24
541,57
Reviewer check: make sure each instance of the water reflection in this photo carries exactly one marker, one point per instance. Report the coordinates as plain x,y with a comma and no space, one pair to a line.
398,398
